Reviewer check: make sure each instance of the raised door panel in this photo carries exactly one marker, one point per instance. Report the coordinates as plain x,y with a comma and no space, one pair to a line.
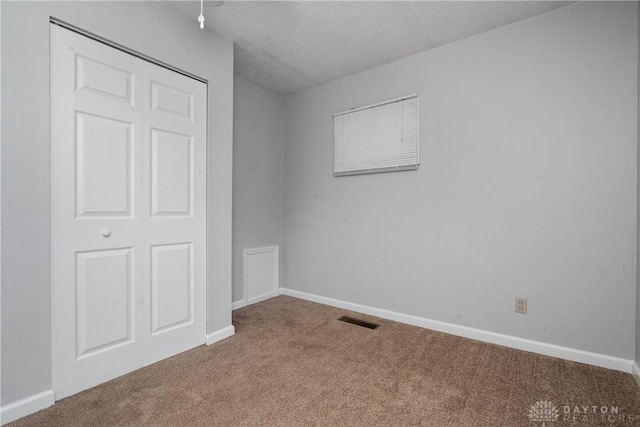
103,79
104,166
104,300
171,99
171,173
171,286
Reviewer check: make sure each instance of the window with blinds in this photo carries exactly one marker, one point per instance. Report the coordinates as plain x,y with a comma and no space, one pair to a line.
377,138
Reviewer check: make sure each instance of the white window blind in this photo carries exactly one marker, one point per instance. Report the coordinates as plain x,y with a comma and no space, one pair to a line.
377,138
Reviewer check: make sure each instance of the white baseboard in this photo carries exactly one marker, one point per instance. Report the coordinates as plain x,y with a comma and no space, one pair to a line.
35,403
26,406
238,304
263,297
635,371
243,303
220,334
575,355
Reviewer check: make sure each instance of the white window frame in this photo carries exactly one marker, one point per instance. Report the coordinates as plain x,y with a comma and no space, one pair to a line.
344,166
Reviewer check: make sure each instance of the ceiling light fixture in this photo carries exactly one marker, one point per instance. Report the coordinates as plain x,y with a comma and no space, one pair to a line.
201,17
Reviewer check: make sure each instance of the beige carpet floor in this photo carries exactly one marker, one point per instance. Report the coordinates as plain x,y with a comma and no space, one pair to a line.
291,363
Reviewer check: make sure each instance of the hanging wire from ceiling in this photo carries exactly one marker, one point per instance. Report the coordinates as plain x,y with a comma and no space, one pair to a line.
201,17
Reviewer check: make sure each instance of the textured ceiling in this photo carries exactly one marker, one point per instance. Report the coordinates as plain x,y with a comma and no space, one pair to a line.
288,46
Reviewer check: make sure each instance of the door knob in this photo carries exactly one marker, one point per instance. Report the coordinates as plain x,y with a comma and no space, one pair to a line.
106,233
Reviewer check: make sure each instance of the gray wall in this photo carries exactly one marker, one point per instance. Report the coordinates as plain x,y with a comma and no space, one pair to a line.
637,358
151,28
527,185
257,174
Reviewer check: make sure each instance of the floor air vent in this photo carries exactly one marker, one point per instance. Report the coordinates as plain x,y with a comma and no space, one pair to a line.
358,322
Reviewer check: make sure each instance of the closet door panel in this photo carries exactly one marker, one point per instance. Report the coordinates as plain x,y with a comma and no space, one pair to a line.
174,209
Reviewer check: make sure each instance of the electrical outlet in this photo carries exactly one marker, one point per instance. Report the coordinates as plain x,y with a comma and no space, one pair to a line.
521,305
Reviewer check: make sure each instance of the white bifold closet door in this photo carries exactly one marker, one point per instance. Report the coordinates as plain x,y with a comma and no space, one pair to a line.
128,212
